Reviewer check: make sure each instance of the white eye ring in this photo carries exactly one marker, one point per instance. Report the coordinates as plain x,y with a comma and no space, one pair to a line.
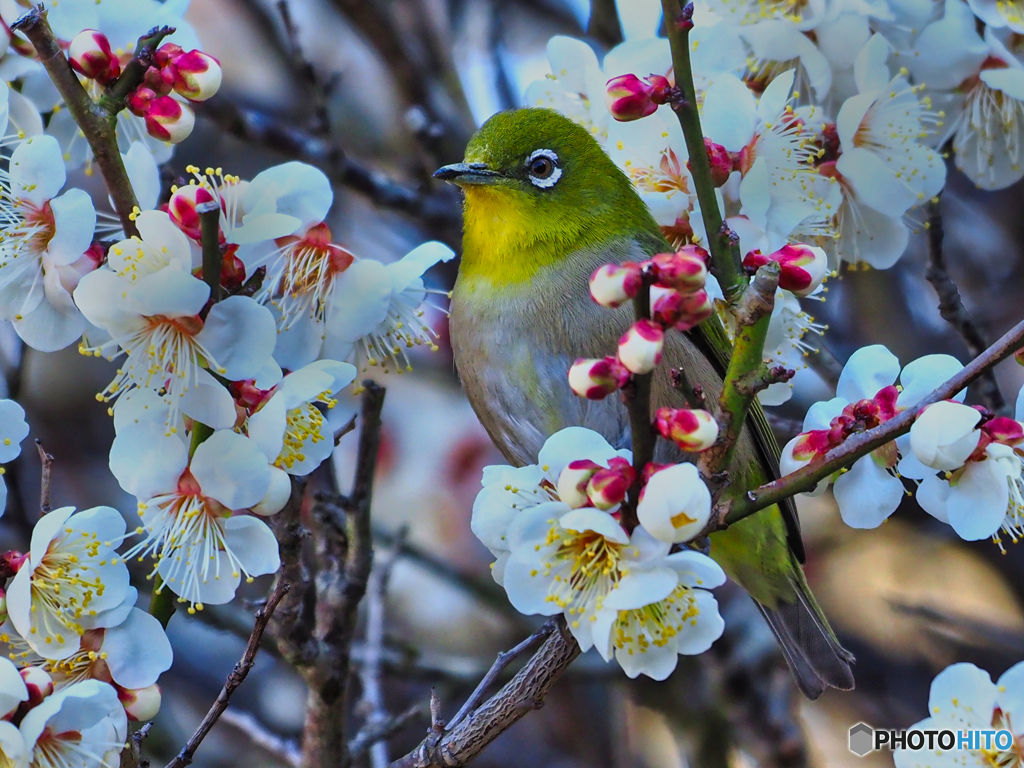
556,174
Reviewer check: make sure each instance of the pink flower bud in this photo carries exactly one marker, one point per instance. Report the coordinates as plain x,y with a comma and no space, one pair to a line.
685,270
721,160
157,82
90,55
140,704
39,684
629,98
166,53
169,120
608,487
640,346
182,208
1004,430
614,284
194,75
11,562
691,430
140,100
596,379
804,267
683,312
573,480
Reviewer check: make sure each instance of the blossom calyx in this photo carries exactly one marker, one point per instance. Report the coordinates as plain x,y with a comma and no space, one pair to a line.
608,487
195,75
573,480
614,284
640,346
630,98
90,56
685,270
804,267
692,430
595,379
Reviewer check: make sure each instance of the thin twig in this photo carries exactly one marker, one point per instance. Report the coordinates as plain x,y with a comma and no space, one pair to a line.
320,124
524,693
209,223
344,429
98,125
44,481
131,755
637,397
114,100
370,672
368,736
235,678
504,659
952,308
806,478
284,750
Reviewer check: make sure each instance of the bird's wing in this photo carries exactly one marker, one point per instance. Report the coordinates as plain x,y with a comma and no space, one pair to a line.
710,336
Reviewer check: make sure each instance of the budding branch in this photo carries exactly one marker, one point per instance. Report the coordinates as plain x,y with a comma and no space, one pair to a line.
842,456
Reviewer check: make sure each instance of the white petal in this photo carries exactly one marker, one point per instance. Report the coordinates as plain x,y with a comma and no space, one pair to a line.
359,301
696,569
706,627
640,587
267,426
169,293
146,460
209,403
230,468
729,113
37,170
591,519
74,219
977,503
868,370
867,494
920,377
240,334
277,495
12,688
964,695
416,262
298,190
13,429
143,174
253,543
1010,695
137,651
573,444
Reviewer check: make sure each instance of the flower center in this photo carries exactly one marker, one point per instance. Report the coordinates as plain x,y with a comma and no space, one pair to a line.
585,568
302,275
655,624
303,423
65,583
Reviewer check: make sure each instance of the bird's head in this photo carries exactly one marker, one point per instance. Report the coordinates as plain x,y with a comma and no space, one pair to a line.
539,188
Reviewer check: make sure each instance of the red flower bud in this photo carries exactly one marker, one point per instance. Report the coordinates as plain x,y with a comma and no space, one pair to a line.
182,208
682,312
572,482
640,346
614,284
140,100
630,98
685,270
608,487
90,55
596,379
194,75
1004,430
691,430
157,82
169,120
804,267
720,159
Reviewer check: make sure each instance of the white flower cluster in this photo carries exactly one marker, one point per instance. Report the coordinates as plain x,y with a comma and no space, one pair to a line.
561,548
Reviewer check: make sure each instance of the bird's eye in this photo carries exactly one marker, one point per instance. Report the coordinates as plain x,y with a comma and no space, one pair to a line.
542,166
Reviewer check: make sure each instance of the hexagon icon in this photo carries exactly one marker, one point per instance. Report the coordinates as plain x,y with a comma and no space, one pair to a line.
861,739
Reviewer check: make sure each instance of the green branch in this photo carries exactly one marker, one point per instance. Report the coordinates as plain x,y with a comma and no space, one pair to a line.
746,371
842,456
725,255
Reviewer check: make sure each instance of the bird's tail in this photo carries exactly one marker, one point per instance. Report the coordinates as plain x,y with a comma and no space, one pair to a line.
812,651
755,553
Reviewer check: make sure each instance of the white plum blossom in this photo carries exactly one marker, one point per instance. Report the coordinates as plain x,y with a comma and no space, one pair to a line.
151,304
290,430
576,86
12,690
72,580
81,725
866,396
676,504
13,429
193,508
45,236
652,616
963,698
980,86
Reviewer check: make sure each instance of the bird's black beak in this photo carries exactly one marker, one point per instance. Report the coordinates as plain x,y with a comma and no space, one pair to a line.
467,173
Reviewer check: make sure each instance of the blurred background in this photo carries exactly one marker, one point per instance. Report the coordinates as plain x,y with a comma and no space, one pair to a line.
378,94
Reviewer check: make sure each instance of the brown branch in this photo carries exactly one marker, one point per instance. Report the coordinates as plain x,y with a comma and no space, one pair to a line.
131,755
952,308
292,626
504,659
344,555
637,397
437,208
344,429
235,678
806,478
98,125
44,480
283,749
209,229
320,124
524,693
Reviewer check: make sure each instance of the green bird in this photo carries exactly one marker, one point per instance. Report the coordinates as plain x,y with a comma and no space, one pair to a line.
544,207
